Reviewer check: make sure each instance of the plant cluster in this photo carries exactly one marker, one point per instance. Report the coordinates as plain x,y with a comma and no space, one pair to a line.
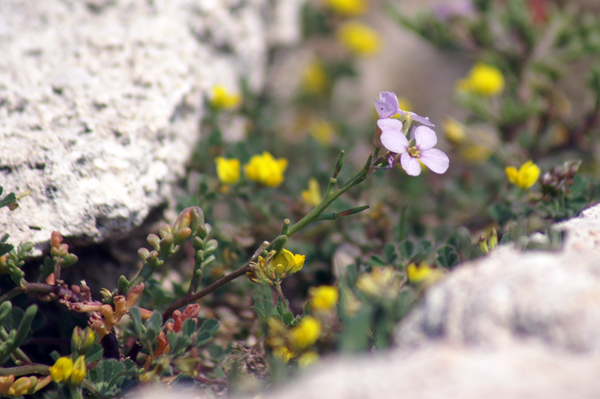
300,244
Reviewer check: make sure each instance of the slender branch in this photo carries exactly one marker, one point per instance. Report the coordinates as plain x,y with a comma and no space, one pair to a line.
24,370
208,290
329,198
60,291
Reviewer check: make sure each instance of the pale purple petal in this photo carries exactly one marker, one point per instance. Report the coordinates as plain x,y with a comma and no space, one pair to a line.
410,165
390,124
425,138
435,160
387,105
424,120
394,141
389,97
384,110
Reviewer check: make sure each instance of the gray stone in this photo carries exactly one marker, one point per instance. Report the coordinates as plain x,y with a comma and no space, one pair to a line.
550,298
100,102
445,371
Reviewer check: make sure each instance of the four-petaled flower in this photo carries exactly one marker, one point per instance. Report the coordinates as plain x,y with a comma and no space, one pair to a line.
419,148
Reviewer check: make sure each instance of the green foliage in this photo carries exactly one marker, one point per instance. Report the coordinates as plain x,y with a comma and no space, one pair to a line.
111,377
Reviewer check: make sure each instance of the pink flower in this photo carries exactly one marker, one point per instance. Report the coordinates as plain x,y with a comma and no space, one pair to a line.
419,148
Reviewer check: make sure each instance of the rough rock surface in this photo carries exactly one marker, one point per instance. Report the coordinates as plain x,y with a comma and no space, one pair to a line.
100,101
546,297
443,371
510,325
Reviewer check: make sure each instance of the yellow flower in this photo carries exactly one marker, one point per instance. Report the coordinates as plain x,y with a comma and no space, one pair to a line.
525,177
287,263
347,8
476,153
380,283
221,98
315,79
306,333
324,297
228,170
62,369
79,371
423,274
322,131
359,38
308,358
265,169
312,196
275,268
482,79
454,130
284,353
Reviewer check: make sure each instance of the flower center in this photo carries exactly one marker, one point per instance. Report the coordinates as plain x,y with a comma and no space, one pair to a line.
414,152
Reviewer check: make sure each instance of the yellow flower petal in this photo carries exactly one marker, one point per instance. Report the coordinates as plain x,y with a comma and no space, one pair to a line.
359,38
228,170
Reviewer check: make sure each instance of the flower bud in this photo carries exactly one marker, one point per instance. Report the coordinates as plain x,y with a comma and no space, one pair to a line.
154,240
143,253
164,230
181,235
211,246
197,219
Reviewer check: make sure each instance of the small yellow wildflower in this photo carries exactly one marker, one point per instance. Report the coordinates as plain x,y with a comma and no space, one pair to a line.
476,153
322,131
284,353
308,358
275,268
221,98
79,371
347,8
312,196
359,38
66,372
266,170
62,369
315,80
380,283
423,274
228,170
306,333
482,79
525,177
454,130
323,298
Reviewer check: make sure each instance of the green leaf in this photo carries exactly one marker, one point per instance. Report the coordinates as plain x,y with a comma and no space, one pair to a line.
208,329
189,327
406,248
5,248
390,253
216,351
461,240
155,322
9,199
447,256
94,353
136,318
378,261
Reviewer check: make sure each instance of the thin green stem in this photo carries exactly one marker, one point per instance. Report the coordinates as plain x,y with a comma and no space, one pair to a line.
329,198
25,370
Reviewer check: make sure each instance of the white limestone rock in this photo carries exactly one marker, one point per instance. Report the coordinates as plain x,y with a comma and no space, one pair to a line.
100,102
446,371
